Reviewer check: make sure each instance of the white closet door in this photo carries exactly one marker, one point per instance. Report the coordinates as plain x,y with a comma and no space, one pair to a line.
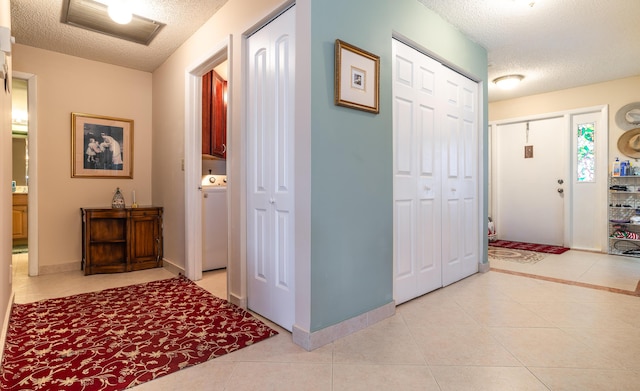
460,210
417,174
270,164
435,166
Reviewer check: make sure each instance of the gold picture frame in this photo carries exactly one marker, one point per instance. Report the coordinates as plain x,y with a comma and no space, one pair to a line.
101,147
357,78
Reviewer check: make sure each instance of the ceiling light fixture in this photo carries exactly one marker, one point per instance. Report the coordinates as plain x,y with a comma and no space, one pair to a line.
508,82
120,11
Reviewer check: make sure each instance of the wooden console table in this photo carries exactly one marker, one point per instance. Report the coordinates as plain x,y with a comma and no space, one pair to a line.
121,240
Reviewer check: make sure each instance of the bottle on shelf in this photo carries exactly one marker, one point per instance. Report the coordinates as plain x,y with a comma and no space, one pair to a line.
616,168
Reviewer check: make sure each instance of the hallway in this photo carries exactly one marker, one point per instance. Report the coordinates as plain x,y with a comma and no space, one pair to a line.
491,331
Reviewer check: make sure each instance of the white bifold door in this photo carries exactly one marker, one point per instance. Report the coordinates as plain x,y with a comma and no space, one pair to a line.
270,165
435,166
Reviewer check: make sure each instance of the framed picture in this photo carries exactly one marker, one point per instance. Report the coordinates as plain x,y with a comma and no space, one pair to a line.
101,147
357,78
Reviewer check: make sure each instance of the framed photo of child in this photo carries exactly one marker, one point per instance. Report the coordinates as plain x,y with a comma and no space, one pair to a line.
101,147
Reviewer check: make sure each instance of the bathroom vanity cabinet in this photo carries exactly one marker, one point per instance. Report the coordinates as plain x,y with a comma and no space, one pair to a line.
121,240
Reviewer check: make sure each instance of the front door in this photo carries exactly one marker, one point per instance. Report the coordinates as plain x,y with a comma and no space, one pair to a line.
270,164
531,184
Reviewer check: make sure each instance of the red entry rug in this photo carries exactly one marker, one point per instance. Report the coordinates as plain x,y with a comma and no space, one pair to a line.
118,338
540,248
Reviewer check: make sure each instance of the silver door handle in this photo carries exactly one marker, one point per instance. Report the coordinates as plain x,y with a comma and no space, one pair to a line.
272,201
560,190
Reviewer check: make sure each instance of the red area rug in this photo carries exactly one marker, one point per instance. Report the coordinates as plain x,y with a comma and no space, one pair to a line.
539,248
118,338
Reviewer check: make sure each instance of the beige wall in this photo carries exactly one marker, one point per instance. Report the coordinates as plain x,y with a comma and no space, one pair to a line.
616,94
234,18
69,84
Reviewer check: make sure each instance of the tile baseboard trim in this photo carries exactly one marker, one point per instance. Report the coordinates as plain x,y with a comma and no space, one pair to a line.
313,340
59,268
172,267
237,300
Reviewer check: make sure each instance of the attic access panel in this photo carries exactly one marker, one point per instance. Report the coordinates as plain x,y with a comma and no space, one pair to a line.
92,15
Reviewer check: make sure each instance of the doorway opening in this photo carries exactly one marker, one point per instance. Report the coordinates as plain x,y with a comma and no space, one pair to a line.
217,58
24,131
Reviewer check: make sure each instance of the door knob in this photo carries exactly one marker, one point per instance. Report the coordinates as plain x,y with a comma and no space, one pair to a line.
560,181
560,190
272,201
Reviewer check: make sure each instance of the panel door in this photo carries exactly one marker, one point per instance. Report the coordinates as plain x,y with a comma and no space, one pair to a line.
529,207
417,174
270,164
460,210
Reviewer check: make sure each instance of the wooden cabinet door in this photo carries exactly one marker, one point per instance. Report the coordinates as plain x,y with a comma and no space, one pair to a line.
19,222
219,117
145,239
207,98
214,116
19,216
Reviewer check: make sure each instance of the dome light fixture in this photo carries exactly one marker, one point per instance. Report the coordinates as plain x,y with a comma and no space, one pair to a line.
120,11
508,82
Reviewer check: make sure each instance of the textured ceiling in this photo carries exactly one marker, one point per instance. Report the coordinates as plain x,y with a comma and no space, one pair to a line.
37,23
556,44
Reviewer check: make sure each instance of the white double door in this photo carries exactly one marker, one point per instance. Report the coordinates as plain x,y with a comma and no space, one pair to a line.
270,165
435,166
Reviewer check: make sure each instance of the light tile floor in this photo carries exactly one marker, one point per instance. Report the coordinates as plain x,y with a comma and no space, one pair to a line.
605,270
491,331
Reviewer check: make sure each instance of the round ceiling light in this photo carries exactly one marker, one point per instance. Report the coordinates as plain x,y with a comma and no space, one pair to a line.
508,82
120,11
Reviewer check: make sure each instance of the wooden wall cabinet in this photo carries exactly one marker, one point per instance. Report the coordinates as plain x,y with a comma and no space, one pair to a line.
20,218
121,240
214,116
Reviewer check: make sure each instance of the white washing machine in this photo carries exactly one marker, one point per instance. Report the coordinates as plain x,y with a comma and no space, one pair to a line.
214,222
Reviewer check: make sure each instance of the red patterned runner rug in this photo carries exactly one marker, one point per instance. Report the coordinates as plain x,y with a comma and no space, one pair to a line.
540,248
118,338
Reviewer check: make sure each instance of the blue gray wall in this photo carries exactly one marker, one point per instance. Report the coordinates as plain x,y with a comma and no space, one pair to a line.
351,151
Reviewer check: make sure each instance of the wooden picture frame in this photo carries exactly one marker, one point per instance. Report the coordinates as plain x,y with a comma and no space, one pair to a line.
101,147
357,78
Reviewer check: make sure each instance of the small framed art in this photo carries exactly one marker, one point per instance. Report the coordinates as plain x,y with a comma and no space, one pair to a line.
357,78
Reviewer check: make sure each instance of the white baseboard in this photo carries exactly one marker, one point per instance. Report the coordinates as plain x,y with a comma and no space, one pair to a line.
316,339
484,267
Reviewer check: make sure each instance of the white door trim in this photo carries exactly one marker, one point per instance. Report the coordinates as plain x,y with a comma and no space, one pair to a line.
32,197
193,153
